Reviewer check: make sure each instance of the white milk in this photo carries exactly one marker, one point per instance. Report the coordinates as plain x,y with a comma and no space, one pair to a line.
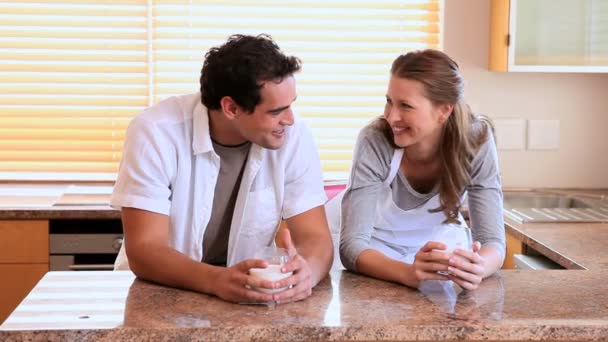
272,273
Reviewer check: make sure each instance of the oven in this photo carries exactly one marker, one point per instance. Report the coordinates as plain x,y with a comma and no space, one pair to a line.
84,245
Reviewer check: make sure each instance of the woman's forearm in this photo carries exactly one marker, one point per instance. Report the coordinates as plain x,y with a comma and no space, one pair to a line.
493,260
375,264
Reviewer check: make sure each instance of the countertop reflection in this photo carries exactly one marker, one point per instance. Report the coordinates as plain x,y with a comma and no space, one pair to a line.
511,305
342,299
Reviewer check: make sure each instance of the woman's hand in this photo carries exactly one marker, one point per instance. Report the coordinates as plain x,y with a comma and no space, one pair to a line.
467,268
429,260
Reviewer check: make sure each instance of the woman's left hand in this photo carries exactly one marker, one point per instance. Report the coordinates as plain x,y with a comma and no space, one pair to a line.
467,268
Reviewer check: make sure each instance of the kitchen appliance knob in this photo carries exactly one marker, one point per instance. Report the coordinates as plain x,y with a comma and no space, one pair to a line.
117,244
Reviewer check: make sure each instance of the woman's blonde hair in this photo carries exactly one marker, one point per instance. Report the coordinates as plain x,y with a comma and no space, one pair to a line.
443,84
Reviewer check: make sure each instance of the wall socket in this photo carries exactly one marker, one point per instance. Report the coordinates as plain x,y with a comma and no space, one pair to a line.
510,134
543,134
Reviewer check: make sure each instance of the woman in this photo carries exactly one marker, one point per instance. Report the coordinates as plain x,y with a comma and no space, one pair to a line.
411,170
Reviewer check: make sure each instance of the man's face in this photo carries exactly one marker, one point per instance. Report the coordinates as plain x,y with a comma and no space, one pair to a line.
265,126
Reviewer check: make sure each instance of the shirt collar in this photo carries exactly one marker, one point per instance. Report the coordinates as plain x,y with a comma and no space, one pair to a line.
201,136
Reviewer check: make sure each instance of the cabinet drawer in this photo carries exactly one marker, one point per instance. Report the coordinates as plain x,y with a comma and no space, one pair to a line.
23,242
17,281
535,262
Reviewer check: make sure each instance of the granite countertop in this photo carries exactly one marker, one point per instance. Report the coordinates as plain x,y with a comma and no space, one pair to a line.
510,306
572,245
569,244
56,201
93,212
91,200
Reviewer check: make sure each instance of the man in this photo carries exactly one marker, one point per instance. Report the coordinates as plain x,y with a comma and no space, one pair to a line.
206,178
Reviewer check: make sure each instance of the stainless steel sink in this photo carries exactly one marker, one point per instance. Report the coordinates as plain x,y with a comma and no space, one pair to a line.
533,206
541,200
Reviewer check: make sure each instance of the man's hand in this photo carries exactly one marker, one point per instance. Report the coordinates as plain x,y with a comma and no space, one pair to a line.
301,281
234,284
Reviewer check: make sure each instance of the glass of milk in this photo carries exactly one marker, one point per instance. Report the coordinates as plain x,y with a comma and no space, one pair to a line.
454,236
276,258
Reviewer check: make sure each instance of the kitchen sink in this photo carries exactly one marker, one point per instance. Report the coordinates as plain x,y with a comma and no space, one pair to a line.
534,206
542,200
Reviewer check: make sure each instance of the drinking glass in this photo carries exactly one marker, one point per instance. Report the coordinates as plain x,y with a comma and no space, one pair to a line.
453,236
276,258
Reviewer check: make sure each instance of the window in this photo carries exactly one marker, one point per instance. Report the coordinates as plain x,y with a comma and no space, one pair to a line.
73,73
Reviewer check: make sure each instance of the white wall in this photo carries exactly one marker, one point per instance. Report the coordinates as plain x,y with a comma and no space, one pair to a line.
578,101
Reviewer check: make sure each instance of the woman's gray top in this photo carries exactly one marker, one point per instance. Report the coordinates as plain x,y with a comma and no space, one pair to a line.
371,165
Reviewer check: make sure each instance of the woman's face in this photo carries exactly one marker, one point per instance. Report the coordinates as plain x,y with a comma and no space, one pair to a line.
411,115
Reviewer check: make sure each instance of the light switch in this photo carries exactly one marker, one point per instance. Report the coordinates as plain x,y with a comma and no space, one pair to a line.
510,134
543,134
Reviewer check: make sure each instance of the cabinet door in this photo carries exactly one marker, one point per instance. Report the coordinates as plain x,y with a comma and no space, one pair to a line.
514,246
549,35
24,242
499,35
24,259
17,281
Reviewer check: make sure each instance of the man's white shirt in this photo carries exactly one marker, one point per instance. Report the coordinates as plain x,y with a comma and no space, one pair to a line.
169,167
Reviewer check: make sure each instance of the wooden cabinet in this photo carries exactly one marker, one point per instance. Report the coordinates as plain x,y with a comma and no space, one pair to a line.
549,35
24,259
514,246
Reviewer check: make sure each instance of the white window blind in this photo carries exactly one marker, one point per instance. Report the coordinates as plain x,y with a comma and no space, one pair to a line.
73,73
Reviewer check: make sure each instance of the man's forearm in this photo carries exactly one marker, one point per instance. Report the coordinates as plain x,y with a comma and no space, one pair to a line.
318,255
165,265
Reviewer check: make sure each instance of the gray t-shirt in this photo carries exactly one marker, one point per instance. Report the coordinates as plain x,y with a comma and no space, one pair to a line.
215,240
371,166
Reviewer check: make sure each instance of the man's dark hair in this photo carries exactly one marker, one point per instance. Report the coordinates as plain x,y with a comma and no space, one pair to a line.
239,67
